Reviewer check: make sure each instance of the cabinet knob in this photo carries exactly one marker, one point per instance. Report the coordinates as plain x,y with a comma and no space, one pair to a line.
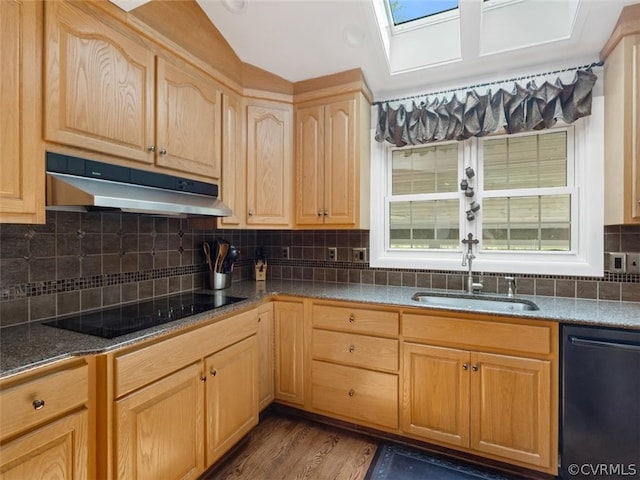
250,213
352,318
326,213
213,372
320,213
163,151
351,392
151,148
38,404
465,366
203,378
352,348
474,367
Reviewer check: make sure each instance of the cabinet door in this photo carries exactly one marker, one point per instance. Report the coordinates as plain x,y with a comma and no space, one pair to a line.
265,355
58,449
510,407
233,189
269,165
435,394
21,152
340,182
232,396
187,120
310,206
99,85
289,340
160,428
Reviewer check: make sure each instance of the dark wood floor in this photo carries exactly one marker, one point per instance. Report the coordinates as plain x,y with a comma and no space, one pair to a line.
295,449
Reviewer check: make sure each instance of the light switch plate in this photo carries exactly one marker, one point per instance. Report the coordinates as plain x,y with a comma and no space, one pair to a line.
633,262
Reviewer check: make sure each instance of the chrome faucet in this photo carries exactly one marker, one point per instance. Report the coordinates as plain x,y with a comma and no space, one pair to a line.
467,259
511,286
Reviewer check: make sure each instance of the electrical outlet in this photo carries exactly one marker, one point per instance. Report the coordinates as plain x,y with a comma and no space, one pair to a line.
285,253
618,262
359,255
333,254
633,262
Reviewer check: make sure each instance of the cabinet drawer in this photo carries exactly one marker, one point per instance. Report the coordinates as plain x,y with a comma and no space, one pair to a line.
147,364
358,320
354,349
535,339
60,391
358,394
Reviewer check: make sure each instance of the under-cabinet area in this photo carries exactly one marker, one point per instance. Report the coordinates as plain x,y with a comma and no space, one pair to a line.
478,384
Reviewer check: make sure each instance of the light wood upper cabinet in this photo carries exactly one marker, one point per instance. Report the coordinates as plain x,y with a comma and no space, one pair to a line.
269,165
100,84
108,92
332,154
21,149
188,120
233,185
622,120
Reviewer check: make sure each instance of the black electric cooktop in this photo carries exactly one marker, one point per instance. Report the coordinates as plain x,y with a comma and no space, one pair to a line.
117,321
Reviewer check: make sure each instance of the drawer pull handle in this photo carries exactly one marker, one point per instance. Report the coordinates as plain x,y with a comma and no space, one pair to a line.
213,372
352,392
465,366
38,404
352,348
352,318
474,367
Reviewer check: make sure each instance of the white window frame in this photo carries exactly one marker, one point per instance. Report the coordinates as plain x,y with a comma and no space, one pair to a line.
586,257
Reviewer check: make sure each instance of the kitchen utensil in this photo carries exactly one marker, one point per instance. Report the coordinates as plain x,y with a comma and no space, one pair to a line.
223,249
207,254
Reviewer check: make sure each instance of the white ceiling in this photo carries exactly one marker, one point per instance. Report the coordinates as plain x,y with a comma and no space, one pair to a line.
302,39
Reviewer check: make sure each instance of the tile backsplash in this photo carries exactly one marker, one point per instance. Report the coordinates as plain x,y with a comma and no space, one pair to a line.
82,261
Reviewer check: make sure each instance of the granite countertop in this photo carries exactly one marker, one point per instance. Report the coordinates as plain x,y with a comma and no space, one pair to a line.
26,346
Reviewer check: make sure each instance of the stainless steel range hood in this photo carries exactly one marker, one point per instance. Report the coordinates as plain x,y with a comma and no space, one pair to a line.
75,183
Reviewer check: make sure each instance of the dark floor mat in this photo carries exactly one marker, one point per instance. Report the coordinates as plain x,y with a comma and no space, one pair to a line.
394,462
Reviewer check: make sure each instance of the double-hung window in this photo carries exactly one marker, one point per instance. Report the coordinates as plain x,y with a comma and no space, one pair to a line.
533,200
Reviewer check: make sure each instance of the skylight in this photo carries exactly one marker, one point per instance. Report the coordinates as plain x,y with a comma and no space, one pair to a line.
405,11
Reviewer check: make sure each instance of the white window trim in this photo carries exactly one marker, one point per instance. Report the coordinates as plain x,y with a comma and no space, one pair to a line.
587,249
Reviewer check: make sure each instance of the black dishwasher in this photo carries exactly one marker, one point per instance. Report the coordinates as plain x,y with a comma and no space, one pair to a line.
600,433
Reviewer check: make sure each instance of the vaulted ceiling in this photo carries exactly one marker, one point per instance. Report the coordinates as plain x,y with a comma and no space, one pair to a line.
302,39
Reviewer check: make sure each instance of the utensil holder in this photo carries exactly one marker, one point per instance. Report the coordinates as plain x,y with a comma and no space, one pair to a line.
219,281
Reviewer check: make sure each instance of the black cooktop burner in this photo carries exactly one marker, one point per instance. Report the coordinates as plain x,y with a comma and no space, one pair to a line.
117,321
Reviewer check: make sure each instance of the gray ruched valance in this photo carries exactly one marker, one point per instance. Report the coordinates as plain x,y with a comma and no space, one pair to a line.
520,110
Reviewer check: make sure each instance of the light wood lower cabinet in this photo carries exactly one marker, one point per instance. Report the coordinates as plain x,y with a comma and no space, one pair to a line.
160,429
355,361
231,396
500,403
182,402
289,351
266,348
45,427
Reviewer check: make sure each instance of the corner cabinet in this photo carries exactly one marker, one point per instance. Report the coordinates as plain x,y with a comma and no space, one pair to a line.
21,150
622,120
288,321
331,164
45,429
108,92
269,164
487,387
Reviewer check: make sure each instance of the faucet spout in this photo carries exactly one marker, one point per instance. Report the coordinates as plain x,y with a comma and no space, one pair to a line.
467,260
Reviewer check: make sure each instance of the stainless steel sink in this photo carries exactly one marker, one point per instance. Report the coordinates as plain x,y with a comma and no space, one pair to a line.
473,302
